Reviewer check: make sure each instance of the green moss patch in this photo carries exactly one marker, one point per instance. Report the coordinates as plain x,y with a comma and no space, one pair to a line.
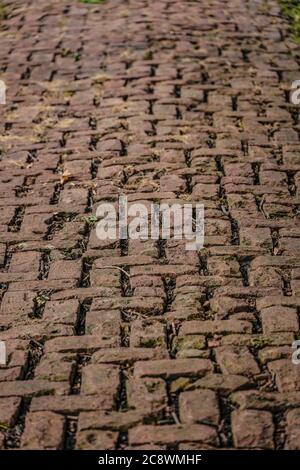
291,9
3,12
93,2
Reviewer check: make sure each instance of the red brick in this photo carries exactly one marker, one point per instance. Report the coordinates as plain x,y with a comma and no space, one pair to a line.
172,434
236,360
43,431
252,429
199,406
170,369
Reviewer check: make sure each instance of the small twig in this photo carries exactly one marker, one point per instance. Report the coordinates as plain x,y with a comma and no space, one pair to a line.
261,206
4,427
175,417
224,210
117,267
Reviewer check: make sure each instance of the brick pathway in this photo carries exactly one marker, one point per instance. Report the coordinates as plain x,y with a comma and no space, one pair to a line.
161,100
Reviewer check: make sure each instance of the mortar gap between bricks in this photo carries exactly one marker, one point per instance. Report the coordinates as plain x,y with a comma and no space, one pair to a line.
39,304
15,224
83,309
70,431
82,360
14,435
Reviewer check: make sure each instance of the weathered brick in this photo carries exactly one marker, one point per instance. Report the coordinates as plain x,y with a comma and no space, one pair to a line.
252,429
127,355
86,343
215,326
95,439
275,319
94,326
9,408
199,406
61,311
147,394
287,375
172,434
43,431
169,369
100,379
293,430
236,360
71,404
33,388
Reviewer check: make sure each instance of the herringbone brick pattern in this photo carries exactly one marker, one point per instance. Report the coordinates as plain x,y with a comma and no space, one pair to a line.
167,101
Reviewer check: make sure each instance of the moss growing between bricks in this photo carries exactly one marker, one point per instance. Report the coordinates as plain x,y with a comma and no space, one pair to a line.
3,12
291,8
93,2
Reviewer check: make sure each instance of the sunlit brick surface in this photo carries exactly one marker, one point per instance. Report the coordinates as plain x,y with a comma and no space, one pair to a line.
164,101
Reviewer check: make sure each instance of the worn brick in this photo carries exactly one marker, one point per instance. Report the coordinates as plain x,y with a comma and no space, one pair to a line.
138,336
199,406
275,319
236,360
172,434
252,429
43,431
171,369
293,430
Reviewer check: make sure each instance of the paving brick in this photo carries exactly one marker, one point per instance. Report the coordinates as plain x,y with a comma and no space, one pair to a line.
56,367
147,334
64,270
225,384
287,375
236,360
33,387
172,434
215,326
199,406
100,379
275,319
266,400
171,369
148,394
129,336
43,431
70,404
293,431
252,429
79,344
96,439
61,311
9,408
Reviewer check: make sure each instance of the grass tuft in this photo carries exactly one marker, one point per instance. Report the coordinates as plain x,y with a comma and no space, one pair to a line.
3,12
291,9
93,2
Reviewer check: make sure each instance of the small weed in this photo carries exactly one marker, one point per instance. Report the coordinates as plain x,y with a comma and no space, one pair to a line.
66,52
93,2
149,342
148,55
3,427
3,12
77,56
91,220
258,343
291,9
40,300
21,246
